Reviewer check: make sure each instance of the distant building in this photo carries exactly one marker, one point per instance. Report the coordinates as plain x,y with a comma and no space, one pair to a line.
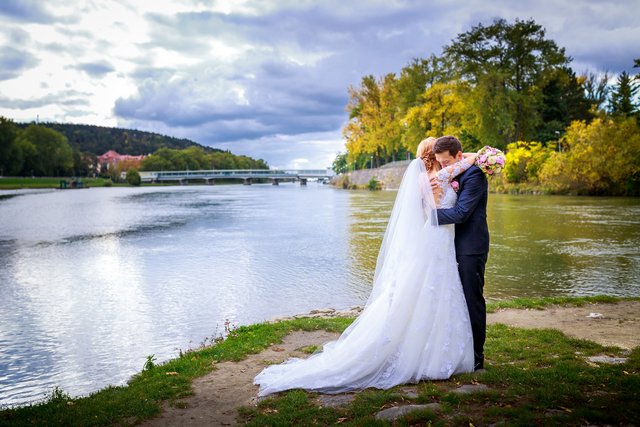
111,159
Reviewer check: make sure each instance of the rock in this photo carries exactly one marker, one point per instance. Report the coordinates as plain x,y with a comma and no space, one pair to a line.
470,388
409,392
333,401
594,315
323,311
607,359
392,414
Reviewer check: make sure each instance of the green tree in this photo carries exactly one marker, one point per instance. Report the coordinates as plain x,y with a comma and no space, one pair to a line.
340,163
563,101
8,161
622,101
506,62
53,154
196,158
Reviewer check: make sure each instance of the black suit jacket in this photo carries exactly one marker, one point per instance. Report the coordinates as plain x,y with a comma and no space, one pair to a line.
469,213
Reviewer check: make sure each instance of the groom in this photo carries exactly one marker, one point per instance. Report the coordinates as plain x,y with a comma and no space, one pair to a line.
472,237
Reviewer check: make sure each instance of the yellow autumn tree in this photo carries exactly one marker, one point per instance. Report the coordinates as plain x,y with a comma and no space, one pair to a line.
374,127
441,112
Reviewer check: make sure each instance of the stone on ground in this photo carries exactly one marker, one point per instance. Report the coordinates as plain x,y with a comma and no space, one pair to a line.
392,414
333,401
470,388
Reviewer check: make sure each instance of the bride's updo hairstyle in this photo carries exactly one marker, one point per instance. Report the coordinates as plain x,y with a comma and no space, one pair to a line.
425,152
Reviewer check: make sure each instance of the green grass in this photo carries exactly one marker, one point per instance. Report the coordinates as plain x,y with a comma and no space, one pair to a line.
536,377
543,302
14,183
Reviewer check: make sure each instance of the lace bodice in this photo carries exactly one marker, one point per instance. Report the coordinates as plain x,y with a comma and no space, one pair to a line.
448,196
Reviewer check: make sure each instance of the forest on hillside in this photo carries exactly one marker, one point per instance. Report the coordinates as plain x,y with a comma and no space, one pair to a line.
59,149
97,140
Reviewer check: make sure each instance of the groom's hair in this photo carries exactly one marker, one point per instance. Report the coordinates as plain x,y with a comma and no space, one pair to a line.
447,143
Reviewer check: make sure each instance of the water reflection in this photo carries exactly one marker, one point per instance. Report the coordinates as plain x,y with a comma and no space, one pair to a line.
563,246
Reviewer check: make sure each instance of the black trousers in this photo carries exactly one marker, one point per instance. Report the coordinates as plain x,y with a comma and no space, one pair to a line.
471,269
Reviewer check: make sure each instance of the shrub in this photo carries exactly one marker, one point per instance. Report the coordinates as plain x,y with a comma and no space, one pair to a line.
133,177
374,184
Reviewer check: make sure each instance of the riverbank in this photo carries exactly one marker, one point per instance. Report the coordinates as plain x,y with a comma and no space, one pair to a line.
533,376
16,183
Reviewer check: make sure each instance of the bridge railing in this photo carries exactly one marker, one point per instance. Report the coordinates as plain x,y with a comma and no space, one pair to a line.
147,176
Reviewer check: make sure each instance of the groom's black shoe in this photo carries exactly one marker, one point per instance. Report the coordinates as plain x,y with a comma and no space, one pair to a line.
479,364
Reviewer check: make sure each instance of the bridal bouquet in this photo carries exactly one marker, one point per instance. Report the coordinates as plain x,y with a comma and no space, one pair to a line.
490,160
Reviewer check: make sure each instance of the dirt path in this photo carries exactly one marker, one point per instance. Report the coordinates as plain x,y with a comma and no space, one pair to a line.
607,324
218,394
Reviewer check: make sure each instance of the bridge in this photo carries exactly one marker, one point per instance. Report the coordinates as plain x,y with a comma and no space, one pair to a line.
246,175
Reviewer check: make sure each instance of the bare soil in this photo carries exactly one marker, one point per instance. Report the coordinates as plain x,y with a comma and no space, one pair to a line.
219,394
606,324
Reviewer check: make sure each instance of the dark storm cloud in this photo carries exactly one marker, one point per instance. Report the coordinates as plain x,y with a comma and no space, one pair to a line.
282,95
14,62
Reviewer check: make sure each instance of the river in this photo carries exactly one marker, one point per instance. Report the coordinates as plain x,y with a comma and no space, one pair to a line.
93,281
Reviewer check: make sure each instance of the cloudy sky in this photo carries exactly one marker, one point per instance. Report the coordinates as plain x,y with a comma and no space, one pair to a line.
265,78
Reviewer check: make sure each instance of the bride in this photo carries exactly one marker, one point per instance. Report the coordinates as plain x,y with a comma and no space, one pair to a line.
415,324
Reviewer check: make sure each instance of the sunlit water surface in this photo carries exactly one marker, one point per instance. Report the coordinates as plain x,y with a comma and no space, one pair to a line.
93,281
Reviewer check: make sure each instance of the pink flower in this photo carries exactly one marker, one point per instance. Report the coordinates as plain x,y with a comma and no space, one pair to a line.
455,186
490,160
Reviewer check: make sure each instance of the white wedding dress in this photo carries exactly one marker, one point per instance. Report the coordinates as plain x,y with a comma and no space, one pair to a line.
415,324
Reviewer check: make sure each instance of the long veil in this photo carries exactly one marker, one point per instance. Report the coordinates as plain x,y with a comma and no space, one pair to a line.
413,211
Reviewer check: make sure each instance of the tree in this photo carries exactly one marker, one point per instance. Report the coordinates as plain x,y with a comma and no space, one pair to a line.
506,62
340,163
622,102
374,126
442,112
194,158
597,89
8,133
133,177
563,101
53,154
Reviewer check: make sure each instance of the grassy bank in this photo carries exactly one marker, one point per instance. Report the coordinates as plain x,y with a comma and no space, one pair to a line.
536,377
14,183
542,302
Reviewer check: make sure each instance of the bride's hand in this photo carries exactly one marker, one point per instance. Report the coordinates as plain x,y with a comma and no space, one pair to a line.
471,157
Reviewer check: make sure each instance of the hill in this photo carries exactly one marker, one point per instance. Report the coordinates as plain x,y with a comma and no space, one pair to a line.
98,140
